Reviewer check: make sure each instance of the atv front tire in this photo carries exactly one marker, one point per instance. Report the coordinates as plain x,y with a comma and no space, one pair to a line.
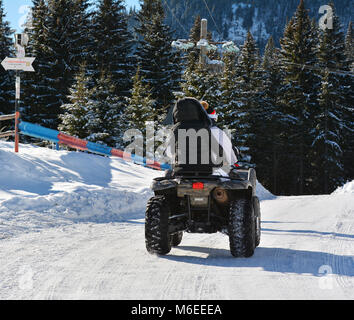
157,237
241,228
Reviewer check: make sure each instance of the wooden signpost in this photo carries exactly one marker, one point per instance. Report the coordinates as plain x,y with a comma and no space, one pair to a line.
20,63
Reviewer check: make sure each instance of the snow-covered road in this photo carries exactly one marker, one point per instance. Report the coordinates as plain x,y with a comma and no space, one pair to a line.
48,251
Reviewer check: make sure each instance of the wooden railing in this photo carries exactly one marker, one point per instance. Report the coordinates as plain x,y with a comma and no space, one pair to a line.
15,117
7,117
7,134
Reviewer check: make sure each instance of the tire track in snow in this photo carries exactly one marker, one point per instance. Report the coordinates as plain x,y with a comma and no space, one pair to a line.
343,262
196,255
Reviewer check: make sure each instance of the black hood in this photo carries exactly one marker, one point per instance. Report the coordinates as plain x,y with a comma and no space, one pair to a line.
189,110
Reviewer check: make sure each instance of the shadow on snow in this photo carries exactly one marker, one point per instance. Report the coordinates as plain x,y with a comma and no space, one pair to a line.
270,259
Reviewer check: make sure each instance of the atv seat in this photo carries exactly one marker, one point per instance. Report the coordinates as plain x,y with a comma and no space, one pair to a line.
192,157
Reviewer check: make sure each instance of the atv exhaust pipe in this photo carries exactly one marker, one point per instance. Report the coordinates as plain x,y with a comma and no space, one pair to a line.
220,196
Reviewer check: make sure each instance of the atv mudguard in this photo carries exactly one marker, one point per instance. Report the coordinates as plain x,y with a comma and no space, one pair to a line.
246,180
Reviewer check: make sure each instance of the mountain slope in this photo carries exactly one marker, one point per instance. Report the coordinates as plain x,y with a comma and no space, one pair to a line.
231,19
72,227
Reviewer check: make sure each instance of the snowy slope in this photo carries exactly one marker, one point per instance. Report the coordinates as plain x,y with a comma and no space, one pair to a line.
41,188
238,33
347,188
71,226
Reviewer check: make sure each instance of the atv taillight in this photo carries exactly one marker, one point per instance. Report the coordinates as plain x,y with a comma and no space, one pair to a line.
198,185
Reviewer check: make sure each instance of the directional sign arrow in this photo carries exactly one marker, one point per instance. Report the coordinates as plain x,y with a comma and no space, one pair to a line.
24,64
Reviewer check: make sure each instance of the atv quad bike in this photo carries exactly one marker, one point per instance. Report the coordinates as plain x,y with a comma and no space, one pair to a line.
204,205
194,200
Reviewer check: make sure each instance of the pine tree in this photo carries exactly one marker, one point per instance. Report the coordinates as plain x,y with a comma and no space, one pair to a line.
74,120
347,95
202,85
195,82
155,56
36,86
64,45
113,45
59,41
60,73
140,104
212,94
331,52
349,46
6,78
230,95
299,99
246,123
327,145
139,112
270,143
83,44
105,121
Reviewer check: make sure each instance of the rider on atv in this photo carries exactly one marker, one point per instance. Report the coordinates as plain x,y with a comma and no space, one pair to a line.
204,192
225,149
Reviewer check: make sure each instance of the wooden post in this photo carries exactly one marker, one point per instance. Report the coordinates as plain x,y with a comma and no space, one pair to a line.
17,113
203,35
17,116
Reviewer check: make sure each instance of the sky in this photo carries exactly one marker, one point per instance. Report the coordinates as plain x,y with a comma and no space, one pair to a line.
17,10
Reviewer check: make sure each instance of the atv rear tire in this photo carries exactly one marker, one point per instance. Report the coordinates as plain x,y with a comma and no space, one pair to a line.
176,239
157,237
241,228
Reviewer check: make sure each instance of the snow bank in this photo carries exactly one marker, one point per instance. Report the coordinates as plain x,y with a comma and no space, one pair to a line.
347,188
41,188
83,204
